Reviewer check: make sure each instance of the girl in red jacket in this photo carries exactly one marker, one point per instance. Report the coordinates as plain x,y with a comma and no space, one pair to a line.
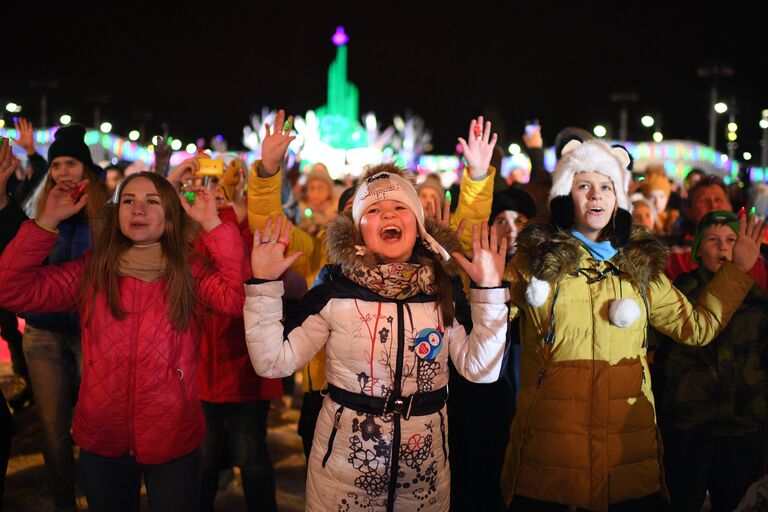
140,294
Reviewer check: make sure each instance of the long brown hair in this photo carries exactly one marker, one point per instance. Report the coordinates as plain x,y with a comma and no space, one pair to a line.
177,240
96,190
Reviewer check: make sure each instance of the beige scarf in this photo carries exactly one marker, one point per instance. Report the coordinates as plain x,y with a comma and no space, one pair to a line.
393,280
144,262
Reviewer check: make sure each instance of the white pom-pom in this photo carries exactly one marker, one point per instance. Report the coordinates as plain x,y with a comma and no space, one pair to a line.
537,292
624,312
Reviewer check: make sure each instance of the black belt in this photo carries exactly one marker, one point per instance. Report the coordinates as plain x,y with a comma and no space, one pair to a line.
418,404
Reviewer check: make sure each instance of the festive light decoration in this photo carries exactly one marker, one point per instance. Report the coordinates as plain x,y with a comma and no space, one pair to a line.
338,117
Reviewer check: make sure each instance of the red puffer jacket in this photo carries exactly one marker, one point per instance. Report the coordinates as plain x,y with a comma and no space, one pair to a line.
225,373
138,393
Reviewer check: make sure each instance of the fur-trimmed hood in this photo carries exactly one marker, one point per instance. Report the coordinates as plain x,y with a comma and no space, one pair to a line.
343,239
554,253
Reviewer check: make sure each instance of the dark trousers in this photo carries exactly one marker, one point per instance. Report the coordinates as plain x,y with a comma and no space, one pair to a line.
478,419
652,503
697,462
310,410
114,483
54,361
237,433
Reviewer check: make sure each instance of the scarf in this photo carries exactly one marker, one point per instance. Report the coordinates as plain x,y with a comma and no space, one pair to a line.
393,280
601,251
143,262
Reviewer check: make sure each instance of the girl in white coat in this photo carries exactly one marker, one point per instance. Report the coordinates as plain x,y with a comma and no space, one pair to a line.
390,315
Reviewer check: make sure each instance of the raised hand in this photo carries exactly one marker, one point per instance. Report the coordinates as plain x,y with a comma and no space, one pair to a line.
268,259
162,156
488,257
274,145
747,247
479,150
184,171
533,140
26,138
202,209
441,216
60,204
8,165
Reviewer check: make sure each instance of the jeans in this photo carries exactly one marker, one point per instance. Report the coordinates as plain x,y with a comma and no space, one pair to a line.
237,432
114,483
54,361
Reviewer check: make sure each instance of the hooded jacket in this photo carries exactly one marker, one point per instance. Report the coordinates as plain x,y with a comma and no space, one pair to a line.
366,461
585,432
264,202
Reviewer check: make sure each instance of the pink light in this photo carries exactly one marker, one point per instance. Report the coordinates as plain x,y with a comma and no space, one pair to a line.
340,38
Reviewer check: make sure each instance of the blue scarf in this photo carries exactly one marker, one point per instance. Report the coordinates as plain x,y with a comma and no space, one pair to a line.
601,251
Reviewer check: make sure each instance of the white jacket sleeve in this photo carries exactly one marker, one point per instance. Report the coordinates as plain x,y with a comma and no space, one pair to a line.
478,356
274,355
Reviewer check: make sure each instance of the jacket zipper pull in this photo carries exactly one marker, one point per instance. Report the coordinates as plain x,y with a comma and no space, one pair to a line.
541,378
337,419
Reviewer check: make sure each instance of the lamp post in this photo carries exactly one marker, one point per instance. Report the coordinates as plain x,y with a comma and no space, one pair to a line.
713,72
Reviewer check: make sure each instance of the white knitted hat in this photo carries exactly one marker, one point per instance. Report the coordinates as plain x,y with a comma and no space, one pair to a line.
391,186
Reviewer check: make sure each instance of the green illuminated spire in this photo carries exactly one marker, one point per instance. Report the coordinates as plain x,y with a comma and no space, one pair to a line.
339,126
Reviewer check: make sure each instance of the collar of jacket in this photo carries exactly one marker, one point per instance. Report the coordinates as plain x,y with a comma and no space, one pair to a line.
342,236
553,253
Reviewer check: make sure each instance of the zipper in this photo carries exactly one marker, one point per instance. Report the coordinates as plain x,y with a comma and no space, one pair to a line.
540,381
442,435
591,396
332,437
396,391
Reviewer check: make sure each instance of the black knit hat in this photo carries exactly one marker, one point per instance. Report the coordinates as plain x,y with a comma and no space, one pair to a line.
70,141
512,199
345,196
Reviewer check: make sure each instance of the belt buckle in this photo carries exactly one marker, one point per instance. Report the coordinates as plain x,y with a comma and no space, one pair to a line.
402,406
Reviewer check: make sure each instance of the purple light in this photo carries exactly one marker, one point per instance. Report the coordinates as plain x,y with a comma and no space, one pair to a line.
219,137
340,38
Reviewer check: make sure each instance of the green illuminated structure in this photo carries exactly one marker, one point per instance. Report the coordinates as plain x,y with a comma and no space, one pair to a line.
339,125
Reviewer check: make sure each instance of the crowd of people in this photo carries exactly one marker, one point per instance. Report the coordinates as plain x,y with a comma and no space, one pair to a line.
589,338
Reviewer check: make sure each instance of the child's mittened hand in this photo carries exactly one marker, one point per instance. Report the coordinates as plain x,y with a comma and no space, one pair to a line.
746,250
268,260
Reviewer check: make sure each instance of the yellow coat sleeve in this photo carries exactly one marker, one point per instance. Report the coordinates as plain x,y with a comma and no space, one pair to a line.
698,323
475,199
264,202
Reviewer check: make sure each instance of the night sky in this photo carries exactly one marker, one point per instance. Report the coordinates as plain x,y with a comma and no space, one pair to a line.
205,71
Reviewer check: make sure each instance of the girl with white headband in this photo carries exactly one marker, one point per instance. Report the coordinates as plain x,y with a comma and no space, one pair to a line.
390,311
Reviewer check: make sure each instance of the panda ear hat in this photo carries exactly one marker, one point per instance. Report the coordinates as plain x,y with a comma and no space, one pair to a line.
593,156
